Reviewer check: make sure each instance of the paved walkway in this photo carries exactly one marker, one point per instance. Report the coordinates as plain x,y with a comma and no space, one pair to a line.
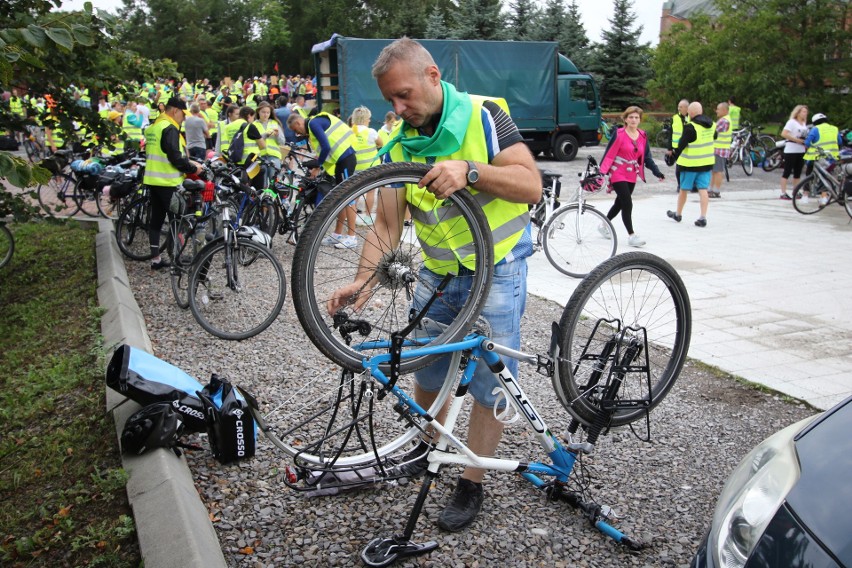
771,289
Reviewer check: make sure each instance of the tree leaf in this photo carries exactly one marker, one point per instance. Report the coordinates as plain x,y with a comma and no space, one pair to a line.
83,35
61,37
34,35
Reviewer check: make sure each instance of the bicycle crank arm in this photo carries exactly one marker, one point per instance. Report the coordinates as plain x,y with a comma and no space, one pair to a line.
385,551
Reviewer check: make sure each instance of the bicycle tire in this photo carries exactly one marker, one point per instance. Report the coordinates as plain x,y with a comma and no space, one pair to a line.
301,214
318,271
87,199
766,142
746,160
806,196
234,301
642,291
664,139
56,197
7,245
773,160
573,241
131,231
184,247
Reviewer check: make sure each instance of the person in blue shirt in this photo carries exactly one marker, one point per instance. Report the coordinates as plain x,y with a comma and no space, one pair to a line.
822,135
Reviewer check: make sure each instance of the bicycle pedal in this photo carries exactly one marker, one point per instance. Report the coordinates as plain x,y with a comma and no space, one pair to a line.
579,447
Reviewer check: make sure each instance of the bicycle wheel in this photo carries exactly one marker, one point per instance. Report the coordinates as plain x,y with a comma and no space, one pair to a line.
632,310
301,213
35,152
57,196
397,270
576,241
87,199
773,160
231,300
806,195
766,142
185,245
7,245
746,159
131,231
664,139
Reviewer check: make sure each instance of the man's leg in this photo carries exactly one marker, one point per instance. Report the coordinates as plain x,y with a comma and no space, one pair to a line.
681,200
704,199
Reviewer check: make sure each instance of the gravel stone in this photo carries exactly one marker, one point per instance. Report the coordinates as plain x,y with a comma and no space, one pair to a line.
663,491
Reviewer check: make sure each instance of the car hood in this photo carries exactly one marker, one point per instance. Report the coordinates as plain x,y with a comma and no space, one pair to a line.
822,498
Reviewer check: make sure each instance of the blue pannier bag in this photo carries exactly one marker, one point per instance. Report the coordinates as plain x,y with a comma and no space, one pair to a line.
231,428
145,379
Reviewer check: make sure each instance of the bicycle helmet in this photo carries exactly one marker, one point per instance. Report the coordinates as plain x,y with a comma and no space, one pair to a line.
819,118
256,235
593,183
155,426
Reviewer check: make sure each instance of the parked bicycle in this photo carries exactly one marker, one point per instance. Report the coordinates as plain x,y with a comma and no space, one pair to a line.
748,147
7,244
575,237
664,136
616,352
830,182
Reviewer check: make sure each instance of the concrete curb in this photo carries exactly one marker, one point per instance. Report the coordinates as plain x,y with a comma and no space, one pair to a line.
171,522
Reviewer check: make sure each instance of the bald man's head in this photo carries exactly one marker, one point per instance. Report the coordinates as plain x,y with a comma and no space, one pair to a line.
695,109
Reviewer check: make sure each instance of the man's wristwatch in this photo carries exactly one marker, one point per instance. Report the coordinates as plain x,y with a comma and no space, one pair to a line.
472,173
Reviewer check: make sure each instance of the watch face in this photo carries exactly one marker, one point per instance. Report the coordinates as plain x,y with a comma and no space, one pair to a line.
472,173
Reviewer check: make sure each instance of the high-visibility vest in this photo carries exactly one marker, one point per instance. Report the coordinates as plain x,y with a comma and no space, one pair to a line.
186,90
159,171
827,141
249,146
272,149
58,137
84,96
210,115
723,139
445,245
699,152
734,112
16,105
228,133
250,102
339,138
119,148
133,132
365,153
678,122
223,141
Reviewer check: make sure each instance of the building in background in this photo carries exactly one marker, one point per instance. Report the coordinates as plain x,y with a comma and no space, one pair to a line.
681,11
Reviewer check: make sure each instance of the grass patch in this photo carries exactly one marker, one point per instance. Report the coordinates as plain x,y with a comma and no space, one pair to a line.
719,373
62,489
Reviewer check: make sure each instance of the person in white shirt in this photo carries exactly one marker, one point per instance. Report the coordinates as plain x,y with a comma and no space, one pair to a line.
795,132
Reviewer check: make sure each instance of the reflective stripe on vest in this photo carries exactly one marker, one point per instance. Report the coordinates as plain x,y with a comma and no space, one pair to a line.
699,152
723,139
158,170
365,153
446,242
827,141
133,132
677,129
272,150
339,138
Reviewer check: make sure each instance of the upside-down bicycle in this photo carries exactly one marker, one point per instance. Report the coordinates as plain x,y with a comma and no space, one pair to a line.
614,355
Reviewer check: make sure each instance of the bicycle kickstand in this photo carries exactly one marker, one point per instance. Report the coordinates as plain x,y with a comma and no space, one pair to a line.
381,552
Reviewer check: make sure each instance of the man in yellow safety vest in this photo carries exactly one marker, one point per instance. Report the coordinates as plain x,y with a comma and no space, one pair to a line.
695,157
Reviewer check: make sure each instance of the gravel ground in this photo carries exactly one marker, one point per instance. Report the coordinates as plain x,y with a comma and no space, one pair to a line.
663,491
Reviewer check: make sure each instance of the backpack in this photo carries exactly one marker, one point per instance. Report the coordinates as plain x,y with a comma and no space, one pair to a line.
238,144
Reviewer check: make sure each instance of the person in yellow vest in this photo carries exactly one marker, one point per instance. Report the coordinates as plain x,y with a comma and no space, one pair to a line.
19,109
366,144
694,154
332,140
165,169
85,99
131,124
825,136
679,120
734,112
268,128
117,142
390,123
721,149
449,127
212,118
226,129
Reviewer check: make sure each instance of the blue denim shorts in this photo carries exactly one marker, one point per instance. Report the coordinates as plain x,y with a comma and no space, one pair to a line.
694,180
503,310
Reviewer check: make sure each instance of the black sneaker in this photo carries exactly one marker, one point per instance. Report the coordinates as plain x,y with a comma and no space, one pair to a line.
463,507
673,215
163,263
702,222
414,463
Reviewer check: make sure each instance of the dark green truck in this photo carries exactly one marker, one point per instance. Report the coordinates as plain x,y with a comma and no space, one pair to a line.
556,107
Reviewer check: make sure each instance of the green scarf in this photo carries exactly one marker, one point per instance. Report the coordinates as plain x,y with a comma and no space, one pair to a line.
448,135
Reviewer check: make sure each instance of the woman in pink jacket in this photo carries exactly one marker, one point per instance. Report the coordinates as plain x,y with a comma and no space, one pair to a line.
626,156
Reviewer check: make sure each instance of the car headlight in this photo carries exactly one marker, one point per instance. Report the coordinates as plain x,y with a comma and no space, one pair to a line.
752,495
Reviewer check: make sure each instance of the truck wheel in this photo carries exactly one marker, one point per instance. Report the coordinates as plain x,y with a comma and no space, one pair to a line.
565,148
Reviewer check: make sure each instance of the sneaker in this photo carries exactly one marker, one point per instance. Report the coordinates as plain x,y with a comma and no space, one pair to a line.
331,240
823,200
701,222
635,240
714,194
162,263
347,242
604,232
673,215
785,197
463,507
414,463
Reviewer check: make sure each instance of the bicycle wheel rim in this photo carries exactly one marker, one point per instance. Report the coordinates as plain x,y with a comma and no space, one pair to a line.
87,200
56,197
573,242
318,271
645,295
806,196
7,245
234,301
132,234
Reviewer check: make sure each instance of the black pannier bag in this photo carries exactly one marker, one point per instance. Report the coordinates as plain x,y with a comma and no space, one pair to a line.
231,428
145,379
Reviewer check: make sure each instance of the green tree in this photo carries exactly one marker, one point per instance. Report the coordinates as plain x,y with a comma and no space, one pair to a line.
522,20
478,19
573,40
550,22
436,25
621,61
769,54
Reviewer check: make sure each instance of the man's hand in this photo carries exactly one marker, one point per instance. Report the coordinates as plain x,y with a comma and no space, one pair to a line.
445,178
198,167
354,294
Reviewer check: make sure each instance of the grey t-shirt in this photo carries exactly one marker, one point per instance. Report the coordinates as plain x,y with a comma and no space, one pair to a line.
195,127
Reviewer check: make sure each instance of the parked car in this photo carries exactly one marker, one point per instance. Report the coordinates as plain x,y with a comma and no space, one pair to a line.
789,502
